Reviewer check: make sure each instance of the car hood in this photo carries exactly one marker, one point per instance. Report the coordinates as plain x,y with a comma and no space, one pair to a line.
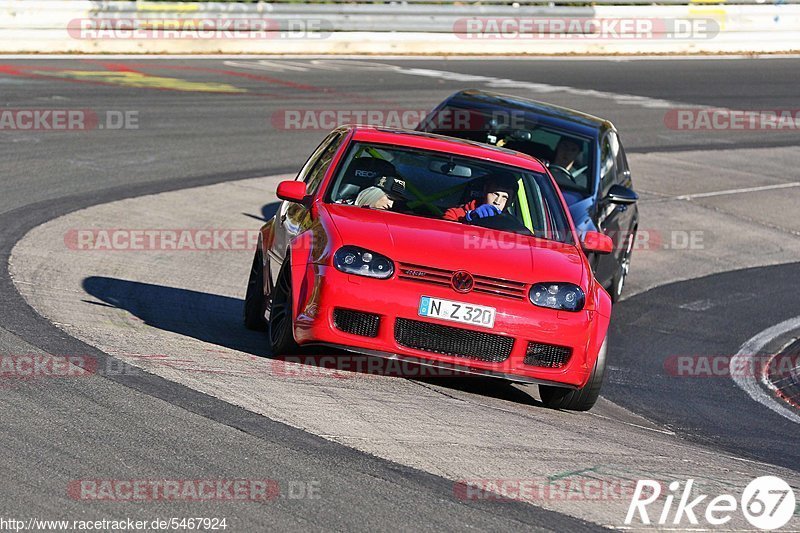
453,246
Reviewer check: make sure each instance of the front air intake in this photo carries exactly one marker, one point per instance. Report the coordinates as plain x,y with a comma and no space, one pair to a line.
452,341
356,322
547,355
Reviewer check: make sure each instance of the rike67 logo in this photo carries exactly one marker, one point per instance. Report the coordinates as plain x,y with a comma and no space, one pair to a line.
767,503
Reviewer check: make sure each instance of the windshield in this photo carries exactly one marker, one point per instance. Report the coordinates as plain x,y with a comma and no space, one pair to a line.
568,156
438,185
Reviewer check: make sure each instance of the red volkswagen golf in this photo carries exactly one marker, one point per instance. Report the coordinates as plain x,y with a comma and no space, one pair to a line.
438,251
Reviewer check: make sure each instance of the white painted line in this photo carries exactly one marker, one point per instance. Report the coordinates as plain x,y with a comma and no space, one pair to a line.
540,88
738,191
490,82
745,358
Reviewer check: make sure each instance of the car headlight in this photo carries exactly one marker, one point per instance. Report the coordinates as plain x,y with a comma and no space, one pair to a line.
361,262
561,296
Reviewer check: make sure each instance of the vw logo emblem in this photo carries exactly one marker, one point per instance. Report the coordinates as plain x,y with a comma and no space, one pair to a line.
462,281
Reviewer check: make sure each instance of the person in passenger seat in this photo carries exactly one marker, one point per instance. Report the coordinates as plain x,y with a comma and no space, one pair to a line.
383,194
360,175
496,193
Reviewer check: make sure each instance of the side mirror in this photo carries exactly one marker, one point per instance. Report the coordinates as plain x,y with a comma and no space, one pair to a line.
618,194
292,191
594,241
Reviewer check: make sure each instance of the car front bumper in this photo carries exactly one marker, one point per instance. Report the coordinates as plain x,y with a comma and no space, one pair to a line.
325,289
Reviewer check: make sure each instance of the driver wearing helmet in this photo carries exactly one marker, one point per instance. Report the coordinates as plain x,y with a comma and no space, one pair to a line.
497,191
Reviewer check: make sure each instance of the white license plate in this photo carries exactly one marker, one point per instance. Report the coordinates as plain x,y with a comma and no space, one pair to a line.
475,315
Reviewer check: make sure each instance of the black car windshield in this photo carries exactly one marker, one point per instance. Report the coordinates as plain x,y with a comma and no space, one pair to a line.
568,155
427,183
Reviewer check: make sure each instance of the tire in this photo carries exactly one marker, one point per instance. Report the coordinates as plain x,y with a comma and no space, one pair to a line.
254,302
581,399
280,327
618,281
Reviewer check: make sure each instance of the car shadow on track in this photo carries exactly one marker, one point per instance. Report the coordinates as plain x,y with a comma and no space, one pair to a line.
207,317
267,212
217,319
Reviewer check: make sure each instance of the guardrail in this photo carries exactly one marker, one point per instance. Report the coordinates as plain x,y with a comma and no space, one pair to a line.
407,27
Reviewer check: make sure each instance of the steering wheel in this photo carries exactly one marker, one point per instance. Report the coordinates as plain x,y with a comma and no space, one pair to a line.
502,222
558,169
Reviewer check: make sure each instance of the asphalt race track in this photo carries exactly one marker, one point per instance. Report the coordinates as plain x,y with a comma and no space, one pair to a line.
193,395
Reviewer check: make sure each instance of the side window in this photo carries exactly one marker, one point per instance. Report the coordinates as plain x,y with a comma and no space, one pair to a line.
316,166
609,154
545,137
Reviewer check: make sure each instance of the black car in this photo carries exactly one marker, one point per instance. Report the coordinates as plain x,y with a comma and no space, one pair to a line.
583,152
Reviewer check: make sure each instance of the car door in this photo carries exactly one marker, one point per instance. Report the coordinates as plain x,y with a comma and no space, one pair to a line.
610,217
294,218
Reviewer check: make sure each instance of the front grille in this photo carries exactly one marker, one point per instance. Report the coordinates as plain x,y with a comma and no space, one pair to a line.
356,322
547,355
483,284
452,341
